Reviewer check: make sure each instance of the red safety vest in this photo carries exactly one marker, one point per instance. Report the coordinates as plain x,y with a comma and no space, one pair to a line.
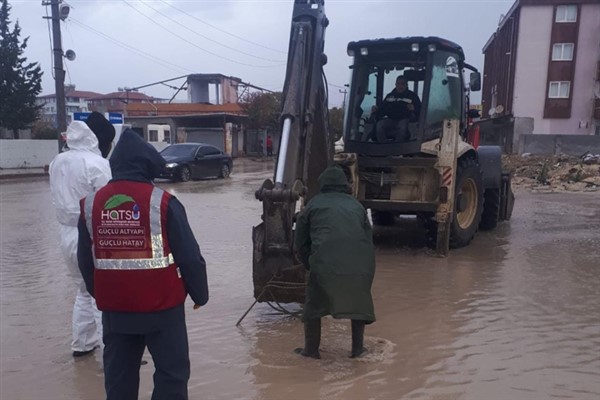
134,268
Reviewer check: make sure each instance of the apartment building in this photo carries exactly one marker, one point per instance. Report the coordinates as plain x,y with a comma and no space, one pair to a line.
75,101
543,64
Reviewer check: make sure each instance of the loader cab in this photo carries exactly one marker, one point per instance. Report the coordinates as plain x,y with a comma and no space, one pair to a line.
433,69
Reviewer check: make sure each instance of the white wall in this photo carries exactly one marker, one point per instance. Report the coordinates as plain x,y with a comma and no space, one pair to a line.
34,153
531,71
27,153
584,85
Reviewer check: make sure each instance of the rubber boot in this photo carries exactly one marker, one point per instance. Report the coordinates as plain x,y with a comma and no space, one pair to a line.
358,334
312,339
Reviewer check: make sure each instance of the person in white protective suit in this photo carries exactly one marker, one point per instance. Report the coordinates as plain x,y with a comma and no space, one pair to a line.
74,174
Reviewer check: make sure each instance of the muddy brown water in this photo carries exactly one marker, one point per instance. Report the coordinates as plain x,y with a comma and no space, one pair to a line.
516,315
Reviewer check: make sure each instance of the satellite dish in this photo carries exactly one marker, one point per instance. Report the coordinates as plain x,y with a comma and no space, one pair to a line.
63,11
499,109
70,55
491,111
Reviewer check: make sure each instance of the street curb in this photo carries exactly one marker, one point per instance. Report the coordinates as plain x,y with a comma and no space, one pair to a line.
23,175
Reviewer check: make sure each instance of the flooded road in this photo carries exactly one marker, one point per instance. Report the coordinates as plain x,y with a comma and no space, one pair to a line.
516,315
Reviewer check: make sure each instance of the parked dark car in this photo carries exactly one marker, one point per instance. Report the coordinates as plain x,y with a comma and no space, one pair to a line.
187,161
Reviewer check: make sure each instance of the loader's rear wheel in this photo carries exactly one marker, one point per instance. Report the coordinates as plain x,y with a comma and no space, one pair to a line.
468,203
491,209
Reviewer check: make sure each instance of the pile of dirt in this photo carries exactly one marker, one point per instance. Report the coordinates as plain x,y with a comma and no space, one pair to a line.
554,173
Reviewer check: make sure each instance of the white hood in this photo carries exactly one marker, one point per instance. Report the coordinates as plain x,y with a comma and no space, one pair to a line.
76,173
81,137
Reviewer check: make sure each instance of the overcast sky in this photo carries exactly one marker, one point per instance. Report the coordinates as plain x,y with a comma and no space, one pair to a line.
130,43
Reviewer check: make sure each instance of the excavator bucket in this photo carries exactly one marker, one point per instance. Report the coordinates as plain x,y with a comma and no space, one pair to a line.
276,273
277,278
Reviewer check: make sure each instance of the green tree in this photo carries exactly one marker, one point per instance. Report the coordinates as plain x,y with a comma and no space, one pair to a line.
43,130
262,109
20,82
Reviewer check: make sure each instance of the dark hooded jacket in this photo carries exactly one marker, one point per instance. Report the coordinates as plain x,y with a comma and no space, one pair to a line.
134,159
334,241
395,105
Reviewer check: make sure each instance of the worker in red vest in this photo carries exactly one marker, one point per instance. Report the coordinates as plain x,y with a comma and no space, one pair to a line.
269,145
139,259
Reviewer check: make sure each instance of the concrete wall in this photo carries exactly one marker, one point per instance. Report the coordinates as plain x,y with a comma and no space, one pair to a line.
497,132
34,153
522,126
27,153
574,145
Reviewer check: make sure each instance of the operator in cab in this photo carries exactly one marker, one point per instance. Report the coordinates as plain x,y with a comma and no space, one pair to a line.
399,107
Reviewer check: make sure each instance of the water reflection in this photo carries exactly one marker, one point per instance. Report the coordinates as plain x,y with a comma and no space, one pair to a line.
514,315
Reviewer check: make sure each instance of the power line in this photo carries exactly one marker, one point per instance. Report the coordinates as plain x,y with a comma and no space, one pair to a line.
221,30
206,37
337,86
194,44
131,48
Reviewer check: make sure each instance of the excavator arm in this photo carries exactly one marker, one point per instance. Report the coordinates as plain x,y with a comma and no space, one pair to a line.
305,150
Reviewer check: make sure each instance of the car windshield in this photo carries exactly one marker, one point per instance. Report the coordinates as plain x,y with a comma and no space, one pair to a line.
179,150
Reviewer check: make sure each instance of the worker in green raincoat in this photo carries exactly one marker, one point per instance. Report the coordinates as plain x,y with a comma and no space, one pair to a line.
334,241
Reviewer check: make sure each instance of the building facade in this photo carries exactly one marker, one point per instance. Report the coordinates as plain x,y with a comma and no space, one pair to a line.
212,88
75,101
221,125
117,101
543,64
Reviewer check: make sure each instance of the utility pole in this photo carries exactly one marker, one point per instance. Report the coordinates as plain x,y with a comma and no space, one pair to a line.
344,91
59,72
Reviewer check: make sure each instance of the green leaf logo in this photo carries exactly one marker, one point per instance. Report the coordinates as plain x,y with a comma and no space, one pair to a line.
117,200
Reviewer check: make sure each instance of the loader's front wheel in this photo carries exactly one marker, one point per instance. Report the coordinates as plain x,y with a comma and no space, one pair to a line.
468,203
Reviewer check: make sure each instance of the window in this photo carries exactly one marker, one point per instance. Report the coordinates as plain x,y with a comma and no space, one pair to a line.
559,90
562,52
208,151
566,13
445,90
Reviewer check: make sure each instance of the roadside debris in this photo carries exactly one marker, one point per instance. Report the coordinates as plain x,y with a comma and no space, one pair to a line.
554,173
